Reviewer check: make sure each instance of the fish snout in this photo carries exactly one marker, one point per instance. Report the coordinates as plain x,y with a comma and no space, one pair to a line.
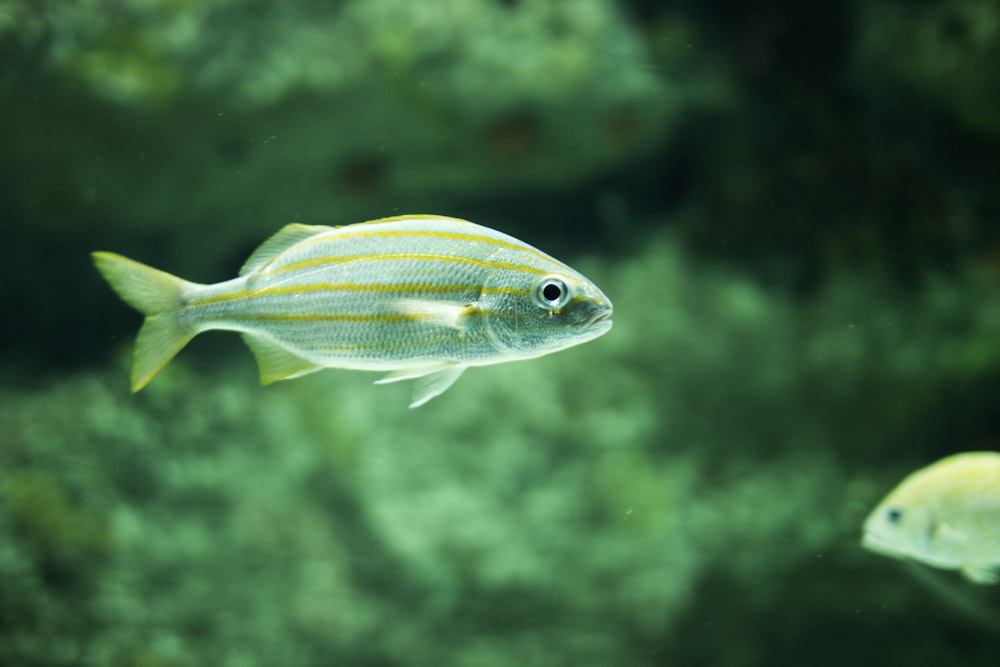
594,315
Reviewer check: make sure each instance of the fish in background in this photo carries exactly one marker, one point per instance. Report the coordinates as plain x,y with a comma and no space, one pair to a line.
419,297
946,515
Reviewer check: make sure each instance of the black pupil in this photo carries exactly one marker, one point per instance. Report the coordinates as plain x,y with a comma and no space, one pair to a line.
551,292
894,515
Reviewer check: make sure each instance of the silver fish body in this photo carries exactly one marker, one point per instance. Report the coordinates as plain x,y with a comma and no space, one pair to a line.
946,515
416,296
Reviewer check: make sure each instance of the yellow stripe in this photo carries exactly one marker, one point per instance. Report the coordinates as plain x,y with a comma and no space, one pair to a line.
452,236
236,295
351,317
404,218
385,346
343,259
381,317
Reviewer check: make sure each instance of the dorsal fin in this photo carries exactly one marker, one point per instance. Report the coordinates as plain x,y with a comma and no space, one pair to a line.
284,239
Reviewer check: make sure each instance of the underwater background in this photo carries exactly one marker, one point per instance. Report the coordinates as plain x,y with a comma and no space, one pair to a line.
793,207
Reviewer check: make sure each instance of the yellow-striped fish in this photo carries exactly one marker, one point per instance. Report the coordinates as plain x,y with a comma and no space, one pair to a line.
419,296
946,515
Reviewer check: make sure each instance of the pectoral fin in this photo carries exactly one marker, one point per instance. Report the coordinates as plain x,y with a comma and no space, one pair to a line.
443,313
944,531
275,362
429,381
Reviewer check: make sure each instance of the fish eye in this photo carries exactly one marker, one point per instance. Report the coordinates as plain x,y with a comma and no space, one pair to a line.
552,293
893,515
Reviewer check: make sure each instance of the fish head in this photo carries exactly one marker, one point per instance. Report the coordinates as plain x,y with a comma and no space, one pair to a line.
896,530
535,314
909,526
943,514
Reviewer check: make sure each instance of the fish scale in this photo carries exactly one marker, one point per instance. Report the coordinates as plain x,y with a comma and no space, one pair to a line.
416,296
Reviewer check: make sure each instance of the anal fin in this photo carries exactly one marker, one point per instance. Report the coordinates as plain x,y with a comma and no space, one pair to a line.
275,362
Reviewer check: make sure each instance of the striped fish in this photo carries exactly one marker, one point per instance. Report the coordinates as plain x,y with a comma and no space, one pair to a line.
418,296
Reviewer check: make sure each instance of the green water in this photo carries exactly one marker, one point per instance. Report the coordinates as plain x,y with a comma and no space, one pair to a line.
793,209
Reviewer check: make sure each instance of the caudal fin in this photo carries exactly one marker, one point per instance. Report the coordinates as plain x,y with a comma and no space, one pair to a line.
157,295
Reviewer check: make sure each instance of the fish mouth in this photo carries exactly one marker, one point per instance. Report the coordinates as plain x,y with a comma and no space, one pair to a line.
872,543
599,322
599,316
879,545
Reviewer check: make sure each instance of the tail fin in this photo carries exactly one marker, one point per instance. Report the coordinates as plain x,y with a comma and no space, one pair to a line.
157,295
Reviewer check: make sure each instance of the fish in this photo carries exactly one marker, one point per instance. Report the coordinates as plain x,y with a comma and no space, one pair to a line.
418,297
946,515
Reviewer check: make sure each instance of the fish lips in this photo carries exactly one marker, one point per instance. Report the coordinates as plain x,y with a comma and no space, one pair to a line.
593,316
599,323
872,542
879,545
